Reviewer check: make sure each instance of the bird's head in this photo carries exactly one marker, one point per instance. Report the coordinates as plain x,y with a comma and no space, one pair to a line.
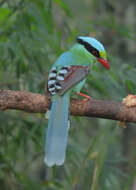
95,48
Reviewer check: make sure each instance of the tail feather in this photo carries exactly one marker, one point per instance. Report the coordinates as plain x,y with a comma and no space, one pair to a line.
57,132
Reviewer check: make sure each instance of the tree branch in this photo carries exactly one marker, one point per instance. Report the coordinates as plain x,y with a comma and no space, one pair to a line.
37,103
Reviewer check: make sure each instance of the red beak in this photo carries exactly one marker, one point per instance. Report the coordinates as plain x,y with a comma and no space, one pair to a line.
104,63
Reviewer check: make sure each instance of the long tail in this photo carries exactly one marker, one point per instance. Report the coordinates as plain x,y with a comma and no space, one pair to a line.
57,133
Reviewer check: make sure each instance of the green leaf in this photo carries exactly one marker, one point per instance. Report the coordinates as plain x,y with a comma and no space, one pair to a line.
63,6
130,85
4,12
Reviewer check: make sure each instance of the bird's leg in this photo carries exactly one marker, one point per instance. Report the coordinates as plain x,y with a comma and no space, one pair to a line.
86,97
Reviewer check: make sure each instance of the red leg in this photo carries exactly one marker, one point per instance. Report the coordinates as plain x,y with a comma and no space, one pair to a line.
86,97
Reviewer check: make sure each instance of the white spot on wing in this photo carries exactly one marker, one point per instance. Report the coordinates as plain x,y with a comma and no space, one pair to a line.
58,87
51,89
53,92
63,71
52,75
60,77
51,82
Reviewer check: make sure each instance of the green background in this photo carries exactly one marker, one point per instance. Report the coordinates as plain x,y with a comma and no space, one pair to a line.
101,154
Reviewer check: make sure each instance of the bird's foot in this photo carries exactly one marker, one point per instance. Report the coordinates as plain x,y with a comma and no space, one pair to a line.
86,97
130,100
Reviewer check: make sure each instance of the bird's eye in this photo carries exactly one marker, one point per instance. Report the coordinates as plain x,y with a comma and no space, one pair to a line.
95,53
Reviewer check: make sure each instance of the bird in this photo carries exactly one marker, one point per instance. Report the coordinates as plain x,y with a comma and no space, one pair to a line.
85,52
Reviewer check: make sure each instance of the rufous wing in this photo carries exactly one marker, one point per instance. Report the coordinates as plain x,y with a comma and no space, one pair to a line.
74,75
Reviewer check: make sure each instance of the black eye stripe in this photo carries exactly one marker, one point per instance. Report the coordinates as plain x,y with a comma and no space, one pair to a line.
88,47
80,41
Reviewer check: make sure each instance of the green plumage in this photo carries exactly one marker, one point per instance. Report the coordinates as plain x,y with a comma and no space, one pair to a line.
58,125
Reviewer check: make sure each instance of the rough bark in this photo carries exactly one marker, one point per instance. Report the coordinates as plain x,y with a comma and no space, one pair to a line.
37,103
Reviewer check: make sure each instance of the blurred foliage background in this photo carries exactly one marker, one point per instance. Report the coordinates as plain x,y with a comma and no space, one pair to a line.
101,155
